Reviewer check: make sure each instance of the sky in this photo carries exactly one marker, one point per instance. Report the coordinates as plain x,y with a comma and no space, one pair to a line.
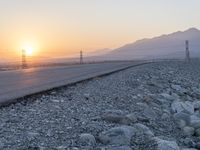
58,28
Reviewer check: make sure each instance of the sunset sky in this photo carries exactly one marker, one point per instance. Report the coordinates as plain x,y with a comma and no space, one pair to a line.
64,27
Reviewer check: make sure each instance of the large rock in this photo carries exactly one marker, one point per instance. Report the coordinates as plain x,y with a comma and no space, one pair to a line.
142,134
188,131
195,121
142,130
165,145
117,135
124,134
186,107
87,140
182,119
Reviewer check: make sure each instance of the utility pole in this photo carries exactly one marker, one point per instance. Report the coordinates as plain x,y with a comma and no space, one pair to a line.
187,52
81,57
24,64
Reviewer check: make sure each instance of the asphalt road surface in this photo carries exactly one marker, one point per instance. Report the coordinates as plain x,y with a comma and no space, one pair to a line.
19,83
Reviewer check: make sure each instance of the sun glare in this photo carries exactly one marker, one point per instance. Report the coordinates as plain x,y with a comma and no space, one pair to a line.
29,49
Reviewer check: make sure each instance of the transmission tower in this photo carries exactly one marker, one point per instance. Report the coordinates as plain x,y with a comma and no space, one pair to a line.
187,51
24,63
81,57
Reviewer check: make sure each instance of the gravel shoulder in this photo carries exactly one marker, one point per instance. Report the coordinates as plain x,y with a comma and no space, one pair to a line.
149,106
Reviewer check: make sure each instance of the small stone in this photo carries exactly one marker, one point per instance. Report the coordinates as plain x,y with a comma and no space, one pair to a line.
165,116
132,117
142,105
55,100
117,117
61,147
167,96
165,145
188,131
176,87
32,135
119,148
117,136
188,142
87,140
196,104
182,119
186,107
150,113
74,148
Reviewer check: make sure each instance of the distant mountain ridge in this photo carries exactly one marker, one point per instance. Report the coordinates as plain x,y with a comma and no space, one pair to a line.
164,46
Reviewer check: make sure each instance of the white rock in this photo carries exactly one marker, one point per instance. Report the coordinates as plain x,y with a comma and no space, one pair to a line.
181,123
195,121
61,147
188,131
142,130
176,87
186,107
117,135
176,107
123,135
166,145
182,119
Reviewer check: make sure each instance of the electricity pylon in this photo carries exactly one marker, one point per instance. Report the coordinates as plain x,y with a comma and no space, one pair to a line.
81,57
187,51
24,63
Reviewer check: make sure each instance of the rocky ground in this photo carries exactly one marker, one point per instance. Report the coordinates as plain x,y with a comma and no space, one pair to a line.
150,107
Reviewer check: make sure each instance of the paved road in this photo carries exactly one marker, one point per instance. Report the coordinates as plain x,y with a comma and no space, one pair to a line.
20,83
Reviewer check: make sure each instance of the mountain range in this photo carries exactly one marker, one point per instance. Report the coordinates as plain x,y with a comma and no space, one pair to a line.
164,46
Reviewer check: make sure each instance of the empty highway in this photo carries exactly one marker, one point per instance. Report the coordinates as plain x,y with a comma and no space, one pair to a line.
19,83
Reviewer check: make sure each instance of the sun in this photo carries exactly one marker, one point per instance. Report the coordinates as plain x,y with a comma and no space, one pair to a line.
29,51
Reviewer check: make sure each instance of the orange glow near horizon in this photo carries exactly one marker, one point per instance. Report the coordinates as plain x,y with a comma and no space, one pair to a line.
61,28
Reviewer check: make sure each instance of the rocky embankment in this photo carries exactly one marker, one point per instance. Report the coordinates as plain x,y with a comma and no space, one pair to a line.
150,107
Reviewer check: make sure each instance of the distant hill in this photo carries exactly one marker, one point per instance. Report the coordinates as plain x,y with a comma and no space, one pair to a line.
165,46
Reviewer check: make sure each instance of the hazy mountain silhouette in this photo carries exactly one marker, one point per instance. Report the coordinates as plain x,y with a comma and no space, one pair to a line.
99,52
165,46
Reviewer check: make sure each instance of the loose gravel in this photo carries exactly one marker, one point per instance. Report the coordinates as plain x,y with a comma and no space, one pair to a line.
56,119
